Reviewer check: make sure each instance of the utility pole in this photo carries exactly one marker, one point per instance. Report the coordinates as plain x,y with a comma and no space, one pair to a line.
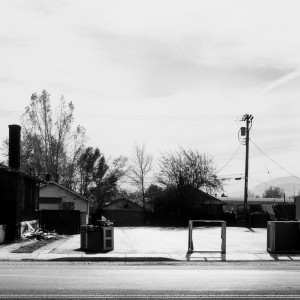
248,119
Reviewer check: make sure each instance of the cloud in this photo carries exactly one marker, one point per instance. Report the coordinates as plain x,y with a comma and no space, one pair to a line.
165,67
153,48
190,66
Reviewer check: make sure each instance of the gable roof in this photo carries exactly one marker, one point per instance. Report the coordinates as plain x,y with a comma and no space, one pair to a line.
197,196
63,188
122,199
209,199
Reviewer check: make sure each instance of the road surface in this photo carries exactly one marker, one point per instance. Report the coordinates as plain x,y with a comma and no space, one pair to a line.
91,280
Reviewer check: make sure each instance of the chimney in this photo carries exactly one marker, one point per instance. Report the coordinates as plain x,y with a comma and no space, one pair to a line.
47,177
14,146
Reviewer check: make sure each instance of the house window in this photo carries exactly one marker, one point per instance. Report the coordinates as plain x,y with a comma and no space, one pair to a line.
68,205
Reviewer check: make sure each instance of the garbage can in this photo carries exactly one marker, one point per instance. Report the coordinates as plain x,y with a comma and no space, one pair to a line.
94,239
2,233
97,238
283,237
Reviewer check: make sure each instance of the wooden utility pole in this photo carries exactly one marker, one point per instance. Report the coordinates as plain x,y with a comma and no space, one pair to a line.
248,119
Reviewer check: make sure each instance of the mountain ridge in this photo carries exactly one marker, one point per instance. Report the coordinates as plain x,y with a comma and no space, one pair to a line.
290,186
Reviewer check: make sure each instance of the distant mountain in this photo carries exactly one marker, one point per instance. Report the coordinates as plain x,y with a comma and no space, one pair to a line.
290,186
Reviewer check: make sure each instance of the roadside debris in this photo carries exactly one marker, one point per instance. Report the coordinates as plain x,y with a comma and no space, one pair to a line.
104,222
38,234
33,239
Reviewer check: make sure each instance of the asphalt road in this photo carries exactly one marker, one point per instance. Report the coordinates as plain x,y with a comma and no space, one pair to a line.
94,280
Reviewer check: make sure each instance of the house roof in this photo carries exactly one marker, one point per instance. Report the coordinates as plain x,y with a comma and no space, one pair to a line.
256,200
63,188
203,197
122,199
6,168
211,198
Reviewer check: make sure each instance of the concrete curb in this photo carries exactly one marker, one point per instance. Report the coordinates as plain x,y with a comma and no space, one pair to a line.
100,257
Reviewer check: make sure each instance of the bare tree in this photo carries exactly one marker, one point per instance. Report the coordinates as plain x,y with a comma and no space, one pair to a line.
188,168
47,138
140,167
77,147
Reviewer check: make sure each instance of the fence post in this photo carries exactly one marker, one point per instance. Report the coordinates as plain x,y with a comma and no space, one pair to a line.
190,242
223,237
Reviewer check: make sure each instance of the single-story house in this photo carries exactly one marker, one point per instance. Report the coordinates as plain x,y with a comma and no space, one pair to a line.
54,196
176,206
204,205
236,204
124,212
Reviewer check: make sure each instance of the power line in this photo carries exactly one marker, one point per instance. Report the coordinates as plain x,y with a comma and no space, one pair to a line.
229,159
233,174
274,161
162,117
266,166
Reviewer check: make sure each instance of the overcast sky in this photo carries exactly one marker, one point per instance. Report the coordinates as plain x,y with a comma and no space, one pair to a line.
166,73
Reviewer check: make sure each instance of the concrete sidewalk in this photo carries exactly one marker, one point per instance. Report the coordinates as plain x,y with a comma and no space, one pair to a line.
159,244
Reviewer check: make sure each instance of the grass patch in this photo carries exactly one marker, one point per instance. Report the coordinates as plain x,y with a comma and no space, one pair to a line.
35,245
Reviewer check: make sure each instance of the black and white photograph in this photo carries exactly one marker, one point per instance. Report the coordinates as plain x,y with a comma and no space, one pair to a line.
150,149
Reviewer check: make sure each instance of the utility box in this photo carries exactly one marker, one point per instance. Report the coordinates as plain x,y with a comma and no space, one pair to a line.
283,236
97,238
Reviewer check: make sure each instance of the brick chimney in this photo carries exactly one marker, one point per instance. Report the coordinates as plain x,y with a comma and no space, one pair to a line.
14,146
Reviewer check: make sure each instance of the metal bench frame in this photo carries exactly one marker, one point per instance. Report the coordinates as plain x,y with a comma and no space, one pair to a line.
223,234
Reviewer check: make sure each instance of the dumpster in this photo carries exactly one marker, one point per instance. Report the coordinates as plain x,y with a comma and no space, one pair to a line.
283,237
2,233
97,238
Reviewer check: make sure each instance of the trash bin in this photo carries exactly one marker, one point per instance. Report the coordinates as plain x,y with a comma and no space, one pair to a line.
97,238
2,233
94,239
283,237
